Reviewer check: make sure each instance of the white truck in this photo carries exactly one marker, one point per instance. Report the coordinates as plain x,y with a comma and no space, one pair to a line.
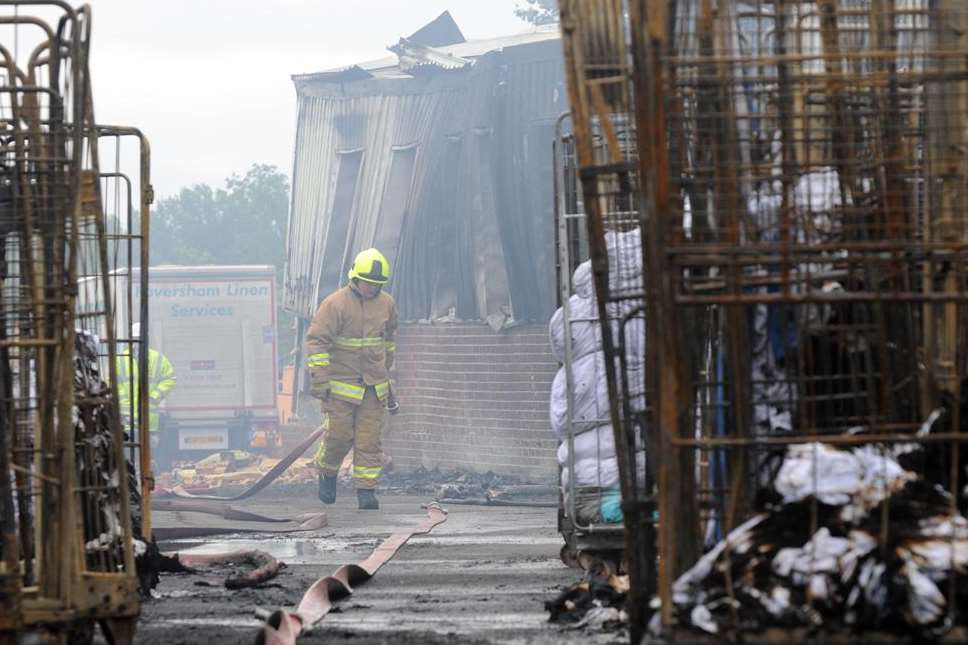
217,325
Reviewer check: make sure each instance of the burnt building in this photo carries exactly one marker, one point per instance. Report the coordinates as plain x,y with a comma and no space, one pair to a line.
440,155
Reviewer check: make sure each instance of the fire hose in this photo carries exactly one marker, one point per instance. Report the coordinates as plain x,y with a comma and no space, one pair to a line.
179,499
283,626
265,480
265,566
303,522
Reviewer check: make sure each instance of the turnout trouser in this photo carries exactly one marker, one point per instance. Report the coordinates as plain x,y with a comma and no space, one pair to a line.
357,426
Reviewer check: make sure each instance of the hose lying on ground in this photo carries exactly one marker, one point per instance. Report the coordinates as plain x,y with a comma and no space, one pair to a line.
283,626
266,479
178,499
305,521
266,566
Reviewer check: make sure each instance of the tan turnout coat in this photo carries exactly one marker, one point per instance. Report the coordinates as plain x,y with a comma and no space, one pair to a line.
350,343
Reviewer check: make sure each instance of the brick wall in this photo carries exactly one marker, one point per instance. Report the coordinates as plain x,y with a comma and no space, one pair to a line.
475,399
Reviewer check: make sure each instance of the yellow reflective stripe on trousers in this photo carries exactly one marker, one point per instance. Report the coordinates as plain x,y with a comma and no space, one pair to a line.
382,389
346,342
365,472
391,346
347,390
320,457
318,360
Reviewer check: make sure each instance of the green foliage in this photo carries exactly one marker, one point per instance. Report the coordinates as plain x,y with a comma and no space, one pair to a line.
242,223
538,12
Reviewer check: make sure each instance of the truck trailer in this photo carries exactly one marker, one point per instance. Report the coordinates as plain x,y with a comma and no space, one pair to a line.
217,326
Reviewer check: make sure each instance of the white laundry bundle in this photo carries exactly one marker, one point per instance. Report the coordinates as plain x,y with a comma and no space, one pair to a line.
629,334
624,260
591,403
595,460
595,466
816,195
586,334
598,473
597,443
636,388
818,192
625,268
592,473
582,280
590,392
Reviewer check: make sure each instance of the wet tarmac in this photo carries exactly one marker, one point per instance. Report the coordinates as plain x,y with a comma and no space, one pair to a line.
481,577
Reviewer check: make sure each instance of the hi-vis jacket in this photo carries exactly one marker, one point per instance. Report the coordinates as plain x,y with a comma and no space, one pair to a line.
161,378
350,345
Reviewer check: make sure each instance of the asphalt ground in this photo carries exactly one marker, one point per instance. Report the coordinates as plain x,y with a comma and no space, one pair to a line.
480,577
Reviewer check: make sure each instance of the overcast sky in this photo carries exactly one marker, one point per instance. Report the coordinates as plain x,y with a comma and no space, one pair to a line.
209,80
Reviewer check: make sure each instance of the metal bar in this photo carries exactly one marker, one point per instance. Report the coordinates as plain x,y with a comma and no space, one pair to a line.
146,193
833,439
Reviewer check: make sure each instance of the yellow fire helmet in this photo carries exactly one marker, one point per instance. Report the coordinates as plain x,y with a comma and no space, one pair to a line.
370,266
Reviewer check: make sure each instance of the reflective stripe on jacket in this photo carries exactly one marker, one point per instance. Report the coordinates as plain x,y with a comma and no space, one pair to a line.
350,343
161,378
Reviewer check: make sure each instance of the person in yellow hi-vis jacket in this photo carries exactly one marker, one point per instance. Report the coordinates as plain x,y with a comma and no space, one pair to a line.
161,379
349,352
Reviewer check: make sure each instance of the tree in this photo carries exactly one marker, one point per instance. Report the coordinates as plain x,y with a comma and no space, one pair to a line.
538,12
242,223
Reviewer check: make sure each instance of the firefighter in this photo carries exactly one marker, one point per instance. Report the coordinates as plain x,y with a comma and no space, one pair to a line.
349,352
161,379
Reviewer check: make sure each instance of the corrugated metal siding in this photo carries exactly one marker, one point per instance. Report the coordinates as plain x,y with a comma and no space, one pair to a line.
494,208
534,98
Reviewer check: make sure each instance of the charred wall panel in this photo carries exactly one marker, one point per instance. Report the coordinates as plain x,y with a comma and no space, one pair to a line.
473,237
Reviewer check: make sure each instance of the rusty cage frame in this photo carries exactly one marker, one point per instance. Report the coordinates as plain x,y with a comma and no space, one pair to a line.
66,538
581,534
800,173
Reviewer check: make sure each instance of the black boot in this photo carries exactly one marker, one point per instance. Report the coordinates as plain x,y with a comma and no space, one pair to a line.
367,499
327,489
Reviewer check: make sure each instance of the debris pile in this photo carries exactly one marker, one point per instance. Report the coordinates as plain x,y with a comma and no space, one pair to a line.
98,470
580,402
230,469
853,571
96,464
449,484
233,468
597,601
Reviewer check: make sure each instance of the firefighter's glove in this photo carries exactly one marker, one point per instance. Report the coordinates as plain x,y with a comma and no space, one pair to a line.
393,406
320,390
